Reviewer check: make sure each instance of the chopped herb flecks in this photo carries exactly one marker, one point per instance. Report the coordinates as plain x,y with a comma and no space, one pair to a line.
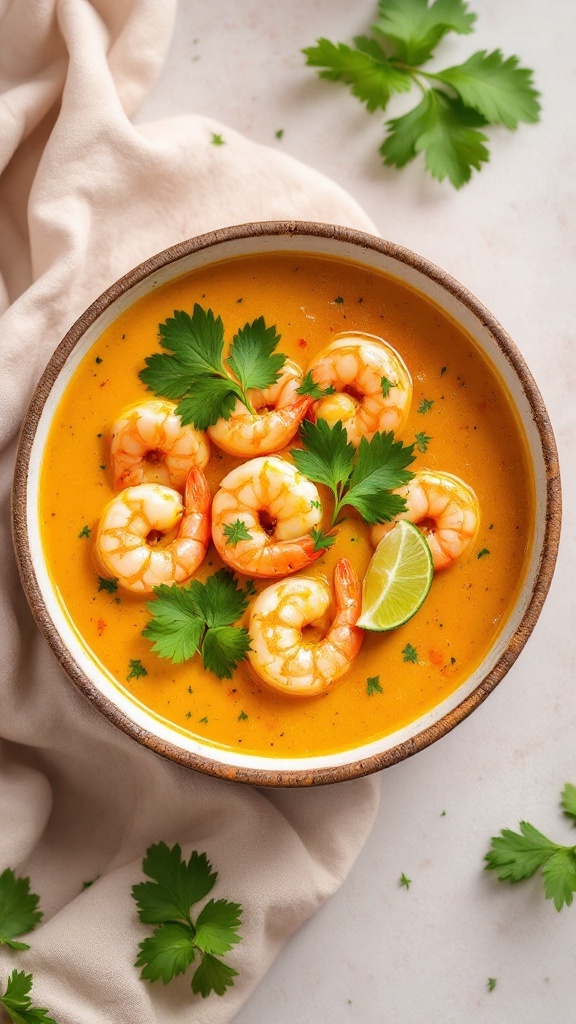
484,551
85,531
404,881
410,654
425,405
109,585
422,441
373,685
136,669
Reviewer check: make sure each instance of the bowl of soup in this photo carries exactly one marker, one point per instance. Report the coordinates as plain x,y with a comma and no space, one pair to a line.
190,634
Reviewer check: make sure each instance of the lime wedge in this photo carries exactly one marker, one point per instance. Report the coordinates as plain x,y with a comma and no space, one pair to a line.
397,579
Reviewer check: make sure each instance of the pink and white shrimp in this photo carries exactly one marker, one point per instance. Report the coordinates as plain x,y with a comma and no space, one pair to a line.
262,517
285,653
150,445
372,384
278,412
446,510
135,540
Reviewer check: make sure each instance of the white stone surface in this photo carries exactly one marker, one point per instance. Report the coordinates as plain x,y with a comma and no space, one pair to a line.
376,952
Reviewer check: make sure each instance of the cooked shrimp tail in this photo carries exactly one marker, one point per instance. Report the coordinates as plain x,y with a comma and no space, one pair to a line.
135,540
296,662
445,508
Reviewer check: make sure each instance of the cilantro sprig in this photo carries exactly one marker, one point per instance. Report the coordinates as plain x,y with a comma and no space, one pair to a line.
518,855
19,912
17,1002
195,372
363,477
178,940
456,103
198,618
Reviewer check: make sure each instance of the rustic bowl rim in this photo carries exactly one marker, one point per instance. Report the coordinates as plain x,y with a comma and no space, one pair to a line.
310,775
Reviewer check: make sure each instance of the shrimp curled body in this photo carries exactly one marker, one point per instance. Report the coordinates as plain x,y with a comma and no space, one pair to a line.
262,516
150,445
277,416
372,384
129,540
281,654
445,509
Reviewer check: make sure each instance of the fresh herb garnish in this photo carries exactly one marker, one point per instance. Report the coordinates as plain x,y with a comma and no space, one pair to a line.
197,373
404,881
322,540
491,984
457,102
17,1002
373,685
386,384
136,669
422,442
217,140
425,405
483,553
85,531
242,717
108,585
363,477
309,387
410,654
19,912
197,618
518,855
235,532
166,901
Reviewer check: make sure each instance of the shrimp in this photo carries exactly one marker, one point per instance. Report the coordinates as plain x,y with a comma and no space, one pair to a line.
278,413
150,445
446,510
262,516
282,655
373,386
133,541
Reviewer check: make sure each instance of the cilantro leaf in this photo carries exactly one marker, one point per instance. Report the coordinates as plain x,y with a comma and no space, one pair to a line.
373,685
386,384
321,539
175,628
497,88
216,927
422,441
168,952
136,669
367,69
211,398
108,584
328,456
18,1004
197,618
515,856
195,371
410,654
309,387
212,976
175,886
415,28
446,130
380,467
568,801
236,531
19,912
166,901
252,358
223,647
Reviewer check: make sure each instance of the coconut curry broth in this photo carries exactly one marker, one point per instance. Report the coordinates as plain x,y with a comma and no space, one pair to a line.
472,433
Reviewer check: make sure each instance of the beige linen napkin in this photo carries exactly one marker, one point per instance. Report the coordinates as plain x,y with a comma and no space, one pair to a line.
84,196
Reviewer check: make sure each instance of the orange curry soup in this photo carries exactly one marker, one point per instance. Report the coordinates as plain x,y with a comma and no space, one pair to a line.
473,433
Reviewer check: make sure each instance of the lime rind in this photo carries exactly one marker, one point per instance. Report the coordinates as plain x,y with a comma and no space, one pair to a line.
397,580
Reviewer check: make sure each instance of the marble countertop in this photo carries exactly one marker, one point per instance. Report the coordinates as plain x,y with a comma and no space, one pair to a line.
377,952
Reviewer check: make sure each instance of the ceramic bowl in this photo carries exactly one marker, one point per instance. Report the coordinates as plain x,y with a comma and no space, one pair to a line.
499,350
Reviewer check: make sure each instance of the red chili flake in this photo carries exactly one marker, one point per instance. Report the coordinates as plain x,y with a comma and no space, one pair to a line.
101,626
302,343
436,657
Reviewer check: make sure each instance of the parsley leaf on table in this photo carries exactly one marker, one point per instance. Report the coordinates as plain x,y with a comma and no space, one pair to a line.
198,618
19,912
166,901
362,477
18,1004
195,371
518,855
456,103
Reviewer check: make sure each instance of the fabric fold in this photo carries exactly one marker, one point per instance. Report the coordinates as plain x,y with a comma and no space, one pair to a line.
84,196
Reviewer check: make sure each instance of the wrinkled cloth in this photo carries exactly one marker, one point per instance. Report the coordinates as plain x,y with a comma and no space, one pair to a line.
84,196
